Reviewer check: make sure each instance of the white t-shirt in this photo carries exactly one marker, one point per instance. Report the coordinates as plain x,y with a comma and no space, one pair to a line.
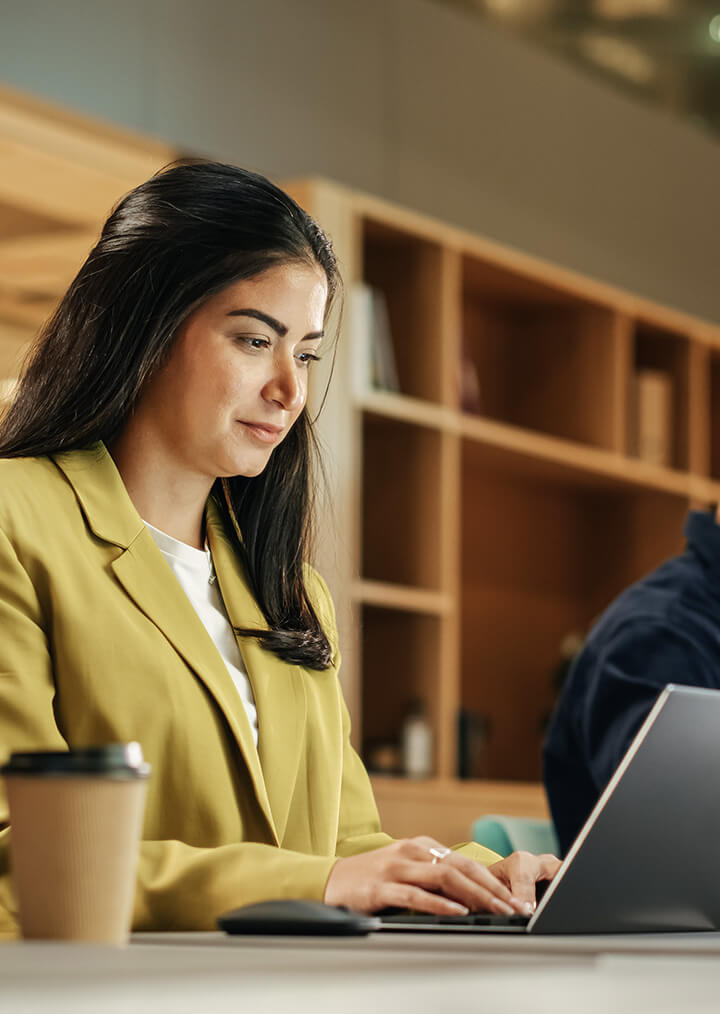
194,570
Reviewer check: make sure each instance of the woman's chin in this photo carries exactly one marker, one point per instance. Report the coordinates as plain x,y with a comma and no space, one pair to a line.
245,467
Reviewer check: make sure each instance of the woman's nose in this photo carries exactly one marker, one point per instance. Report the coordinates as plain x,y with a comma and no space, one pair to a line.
285,387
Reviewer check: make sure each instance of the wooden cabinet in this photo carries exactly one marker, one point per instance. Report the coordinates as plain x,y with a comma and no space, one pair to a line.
492,504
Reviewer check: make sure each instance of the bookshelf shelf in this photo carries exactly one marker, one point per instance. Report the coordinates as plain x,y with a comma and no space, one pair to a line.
499,499
405,409
514,449
390,596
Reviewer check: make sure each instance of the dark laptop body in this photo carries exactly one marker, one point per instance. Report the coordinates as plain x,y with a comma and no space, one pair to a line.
648,857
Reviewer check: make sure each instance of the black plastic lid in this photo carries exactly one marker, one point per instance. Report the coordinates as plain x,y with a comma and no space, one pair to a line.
117,760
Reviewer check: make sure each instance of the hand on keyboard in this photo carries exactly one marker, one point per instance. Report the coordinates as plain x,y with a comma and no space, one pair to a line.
420,874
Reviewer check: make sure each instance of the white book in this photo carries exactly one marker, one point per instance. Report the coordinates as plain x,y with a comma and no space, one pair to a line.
373,356
385,376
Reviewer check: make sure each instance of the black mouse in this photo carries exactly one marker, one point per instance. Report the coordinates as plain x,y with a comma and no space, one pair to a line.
297,917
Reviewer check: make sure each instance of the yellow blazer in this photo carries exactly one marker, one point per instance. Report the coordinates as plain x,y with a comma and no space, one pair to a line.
99,644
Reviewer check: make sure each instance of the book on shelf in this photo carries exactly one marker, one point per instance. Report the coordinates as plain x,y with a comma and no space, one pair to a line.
374,364
651,417
468,383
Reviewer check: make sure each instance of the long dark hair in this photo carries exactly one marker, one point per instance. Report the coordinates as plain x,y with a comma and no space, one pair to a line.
184,235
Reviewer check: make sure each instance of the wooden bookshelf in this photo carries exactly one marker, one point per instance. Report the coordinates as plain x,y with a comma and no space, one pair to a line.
467,538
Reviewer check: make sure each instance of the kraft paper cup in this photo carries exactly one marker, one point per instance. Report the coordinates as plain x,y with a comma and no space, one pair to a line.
75,827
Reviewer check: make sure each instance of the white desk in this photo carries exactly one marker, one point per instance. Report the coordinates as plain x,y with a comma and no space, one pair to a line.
208,973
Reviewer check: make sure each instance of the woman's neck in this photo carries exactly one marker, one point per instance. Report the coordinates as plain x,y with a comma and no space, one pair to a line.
164,493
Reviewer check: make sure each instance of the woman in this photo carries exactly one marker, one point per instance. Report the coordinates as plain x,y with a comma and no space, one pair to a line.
154,526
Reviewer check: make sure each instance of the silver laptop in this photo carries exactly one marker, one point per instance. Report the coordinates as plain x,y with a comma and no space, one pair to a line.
648,857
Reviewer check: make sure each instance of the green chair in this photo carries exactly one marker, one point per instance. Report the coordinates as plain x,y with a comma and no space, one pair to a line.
510,834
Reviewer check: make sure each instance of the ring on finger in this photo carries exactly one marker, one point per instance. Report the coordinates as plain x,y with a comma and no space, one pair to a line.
439,853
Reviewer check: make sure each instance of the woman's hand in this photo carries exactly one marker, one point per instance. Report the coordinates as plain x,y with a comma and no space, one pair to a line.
521,871
403,875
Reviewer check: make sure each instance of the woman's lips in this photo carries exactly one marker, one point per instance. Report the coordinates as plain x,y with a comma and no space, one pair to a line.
264,432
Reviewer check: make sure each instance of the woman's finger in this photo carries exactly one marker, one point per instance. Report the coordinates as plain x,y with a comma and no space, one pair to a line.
451,881
494,893
521,871
394,895
549,865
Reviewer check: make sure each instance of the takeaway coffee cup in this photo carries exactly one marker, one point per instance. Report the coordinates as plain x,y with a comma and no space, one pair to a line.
75,825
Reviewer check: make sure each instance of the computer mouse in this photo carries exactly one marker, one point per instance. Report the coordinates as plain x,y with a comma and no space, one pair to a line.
297,917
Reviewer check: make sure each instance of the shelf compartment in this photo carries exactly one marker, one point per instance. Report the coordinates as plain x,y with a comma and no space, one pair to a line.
401,503
660,354
542,559
401,657
538,357
405,268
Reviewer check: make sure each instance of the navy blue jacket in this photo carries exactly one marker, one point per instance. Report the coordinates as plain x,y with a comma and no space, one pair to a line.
664,629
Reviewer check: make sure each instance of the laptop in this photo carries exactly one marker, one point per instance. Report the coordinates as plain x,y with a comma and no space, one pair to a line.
648,856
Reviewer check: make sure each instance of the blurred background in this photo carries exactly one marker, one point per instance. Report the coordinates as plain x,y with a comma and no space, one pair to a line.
544,197
576,129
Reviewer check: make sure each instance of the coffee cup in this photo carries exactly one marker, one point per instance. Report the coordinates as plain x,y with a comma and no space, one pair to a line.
75,828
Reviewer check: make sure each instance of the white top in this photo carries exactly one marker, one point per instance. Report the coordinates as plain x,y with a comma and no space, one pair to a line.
194,570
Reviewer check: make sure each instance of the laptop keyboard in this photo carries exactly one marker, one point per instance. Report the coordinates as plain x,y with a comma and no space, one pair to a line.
391,916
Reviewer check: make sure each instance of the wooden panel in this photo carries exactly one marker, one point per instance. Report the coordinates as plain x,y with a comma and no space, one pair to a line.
14,344
521,594
699,409
401,662
715,415
408,272
23,222
69,167
401,503
448,701
536,363
44,262
622,360
447,809
541,561
661,350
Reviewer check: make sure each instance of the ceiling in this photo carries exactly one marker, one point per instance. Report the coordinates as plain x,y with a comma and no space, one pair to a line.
666,52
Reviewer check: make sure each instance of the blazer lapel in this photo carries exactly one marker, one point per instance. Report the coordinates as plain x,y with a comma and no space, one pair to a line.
147,579
279,687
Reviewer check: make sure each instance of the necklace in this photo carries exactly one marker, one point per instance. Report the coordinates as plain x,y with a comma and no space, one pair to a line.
211,577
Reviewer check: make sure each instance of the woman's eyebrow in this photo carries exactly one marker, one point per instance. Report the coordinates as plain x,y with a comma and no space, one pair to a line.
279,328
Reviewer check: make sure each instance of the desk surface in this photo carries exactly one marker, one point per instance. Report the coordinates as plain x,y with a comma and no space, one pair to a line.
207,972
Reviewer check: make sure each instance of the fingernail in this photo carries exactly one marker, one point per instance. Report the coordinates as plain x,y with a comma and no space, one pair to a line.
459,909
528,908
504,909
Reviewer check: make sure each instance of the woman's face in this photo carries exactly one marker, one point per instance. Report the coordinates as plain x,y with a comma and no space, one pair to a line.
237,376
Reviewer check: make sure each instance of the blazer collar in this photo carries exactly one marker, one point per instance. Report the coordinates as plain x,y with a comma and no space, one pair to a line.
141,569
279,687
108,509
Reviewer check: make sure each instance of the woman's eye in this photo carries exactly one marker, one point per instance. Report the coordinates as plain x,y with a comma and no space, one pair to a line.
252,341
308,357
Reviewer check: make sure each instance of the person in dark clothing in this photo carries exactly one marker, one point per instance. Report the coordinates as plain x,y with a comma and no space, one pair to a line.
663,629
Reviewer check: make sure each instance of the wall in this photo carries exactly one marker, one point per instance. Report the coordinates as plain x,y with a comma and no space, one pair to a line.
408,101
